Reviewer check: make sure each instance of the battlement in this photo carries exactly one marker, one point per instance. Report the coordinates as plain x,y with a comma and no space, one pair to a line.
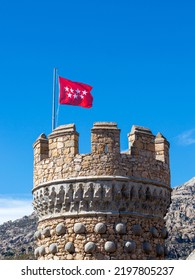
105,138
58,156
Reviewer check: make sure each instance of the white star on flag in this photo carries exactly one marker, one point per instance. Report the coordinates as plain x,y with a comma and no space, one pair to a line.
77,91
75,96
84,92
71,90
82,96
69,94
66,88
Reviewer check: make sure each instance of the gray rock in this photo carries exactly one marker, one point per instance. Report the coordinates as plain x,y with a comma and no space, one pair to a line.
42,250
120,228
36,253
110,247
159,250
46,232
17,238
53,248
191,256
69,247
129,246
79,228
90,247
137,230
60,229
37,235
154,232
147,247
180,221
164,233
100,228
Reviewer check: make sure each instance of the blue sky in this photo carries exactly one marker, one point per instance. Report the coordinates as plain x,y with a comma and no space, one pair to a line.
138,56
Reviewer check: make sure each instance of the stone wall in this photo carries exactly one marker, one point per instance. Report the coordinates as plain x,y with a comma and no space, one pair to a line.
103,237
116,191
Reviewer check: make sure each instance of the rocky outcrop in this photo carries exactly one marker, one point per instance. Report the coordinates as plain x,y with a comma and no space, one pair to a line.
17,238
180,221
191,256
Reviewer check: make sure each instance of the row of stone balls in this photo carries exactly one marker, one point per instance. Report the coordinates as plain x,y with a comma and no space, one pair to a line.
100,228
109,247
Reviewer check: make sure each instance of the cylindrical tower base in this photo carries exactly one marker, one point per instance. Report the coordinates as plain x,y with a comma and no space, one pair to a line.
107,237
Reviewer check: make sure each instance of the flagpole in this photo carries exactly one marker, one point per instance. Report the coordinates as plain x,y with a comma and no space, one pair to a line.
54,100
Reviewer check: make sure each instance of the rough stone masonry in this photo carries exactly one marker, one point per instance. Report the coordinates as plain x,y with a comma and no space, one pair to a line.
103,205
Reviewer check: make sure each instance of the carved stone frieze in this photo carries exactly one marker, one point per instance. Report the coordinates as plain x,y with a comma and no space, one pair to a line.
100,196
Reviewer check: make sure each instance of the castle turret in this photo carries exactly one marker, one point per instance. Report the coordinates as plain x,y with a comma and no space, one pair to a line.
105,204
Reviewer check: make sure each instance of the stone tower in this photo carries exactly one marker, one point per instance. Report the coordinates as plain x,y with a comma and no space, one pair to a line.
105,204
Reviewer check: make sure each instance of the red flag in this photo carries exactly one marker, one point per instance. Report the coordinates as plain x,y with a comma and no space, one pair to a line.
74,93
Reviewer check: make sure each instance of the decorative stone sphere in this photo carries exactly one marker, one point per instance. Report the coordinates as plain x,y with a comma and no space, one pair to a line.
42,251
37,234
100,228
120,228
53,248
110,247
79,228
166,251
69,247
137,230
46,232
154,232
129,246
36,252
60,229
147,247
164,233
90,247
159,250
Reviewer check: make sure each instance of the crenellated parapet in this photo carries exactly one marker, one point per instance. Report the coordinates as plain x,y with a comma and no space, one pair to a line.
117,201
57,157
